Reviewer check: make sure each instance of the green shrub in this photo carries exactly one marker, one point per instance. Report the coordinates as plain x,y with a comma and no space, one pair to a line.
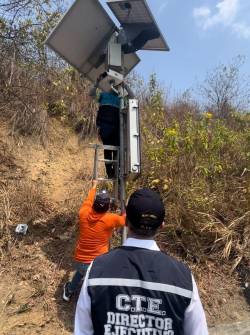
200,164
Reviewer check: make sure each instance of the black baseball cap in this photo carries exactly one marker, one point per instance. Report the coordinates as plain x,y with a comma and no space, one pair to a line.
145,209
102,202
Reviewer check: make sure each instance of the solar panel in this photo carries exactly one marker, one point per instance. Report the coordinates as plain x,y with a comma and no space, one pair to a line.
133,16
83,28
81,39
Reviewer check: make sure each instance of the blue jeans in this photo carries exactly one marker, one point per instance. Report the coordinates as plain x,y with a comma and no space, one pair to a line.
79,275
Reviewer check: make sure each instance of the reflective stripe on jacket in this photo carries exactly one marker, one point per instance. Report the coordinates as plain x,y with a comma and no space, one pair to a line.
134,289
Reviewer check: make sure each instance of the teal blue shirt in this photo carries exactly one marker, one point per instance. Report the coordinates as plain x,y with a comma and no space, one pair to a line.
109,99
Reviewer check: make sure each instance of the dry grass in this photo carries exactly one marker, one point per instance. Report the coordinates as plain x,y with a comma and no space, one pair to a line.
200,165
24,201
5,210
208,216
27,121
19,203
31,93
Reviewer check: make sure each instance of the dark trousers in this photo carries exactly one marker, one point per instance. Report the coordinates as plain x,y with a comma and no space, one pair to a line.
81,269
108,123
110,136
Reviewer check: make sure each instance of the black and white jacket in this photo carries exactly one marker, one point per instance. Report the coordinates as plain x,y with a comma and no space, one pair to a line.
138,290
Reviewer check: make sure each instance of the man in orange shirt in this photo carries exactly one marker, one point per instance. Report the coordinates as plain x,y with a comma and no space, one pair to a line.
96,225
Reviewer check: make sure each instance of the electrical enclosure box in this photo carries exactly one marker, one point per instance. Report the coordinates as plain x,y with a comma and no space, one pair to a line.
115,55
133,138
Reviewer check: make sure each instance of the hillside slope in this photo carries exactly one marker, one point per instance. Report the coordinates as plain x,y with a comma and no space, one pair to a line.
53,180
44,187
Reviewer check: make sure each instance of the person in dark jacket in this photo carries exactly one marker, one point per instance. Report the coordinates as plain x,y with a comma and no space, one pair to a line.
108,125
136,289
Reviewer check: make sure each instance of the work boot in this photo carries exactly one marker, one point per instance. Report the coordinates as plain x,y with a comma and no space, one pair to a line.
66,292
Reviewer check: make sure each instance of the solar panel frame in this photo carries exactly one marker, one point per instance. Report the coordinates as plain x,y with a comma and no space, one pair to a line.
140,13
71,42
65,38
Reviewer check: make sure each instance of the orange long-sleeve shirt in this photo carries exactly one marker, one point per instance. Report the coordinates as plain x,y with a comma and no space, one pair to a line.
95,230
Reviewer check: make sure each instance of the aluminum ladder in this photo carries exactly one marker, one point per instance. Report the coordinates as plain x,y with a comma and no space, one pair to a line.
97,160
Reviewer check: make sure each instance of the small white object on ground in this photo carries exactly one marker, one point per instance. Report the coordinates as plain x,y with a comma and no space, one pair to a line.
21,229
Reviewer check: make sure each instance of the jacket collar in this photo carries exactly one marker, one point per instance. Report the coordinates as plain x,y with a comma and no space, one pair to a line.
145,244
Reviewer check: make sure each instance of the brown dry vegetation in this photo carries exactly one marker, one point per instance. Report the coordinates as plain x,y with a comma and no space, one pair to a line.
198,161
27,103
34,267
44,187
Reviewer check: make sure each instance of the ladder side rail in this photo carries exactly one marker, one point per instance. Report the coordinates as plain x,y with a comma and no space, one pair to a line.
122,163
95,173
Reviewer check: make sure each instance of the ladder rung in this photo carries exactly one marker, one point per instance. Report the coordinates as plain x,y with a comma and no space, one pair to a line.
99,146
107,179
108,161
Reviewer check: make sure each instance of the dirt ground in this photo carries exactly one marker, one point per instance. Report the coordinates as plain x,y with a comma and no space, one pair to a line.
38,264
31,279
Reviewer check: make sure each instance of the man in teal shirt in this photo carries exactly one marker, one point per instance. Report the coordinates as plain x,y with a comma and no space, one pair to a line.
108,124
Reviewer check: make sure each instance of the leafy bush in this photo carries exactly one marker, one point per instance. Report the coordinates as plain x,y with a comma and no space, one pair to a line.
200,165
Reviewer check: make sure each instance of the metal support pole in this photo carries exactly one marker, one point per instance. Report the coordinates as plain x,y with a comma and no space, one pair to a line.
122,163
95,174
116,182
